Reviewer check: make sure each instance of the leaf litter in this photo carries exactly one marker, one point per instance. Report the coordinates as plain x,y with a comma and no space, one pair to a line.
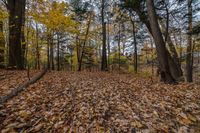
102,102
10,79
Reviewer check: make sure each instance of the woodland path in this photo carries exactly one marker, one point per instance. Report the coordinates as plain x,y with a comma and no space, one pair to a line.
98,102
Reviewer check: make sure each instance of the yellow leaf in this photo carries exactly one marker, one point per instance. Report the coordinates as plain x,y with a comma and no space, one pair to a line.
192,118
185,121
25,114
137,124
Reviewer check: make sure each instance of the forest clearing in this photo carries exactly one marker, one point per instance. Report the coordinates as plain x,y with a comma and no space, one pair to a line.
99,66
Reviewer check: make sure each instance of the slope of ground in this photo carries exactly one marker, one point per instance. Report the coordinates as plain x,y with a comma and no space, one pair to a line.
99,102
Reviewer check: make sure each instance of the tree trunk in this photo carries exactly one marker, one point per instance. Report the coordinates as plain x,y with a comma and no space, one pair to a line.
23,49
104,66
48,55
84,43
108,42
135,46
37,48
152,53
166,76
173,53
16,23
198,57
58,53
119,48
189,62
174,68
51,54
2,46
23,41
180,45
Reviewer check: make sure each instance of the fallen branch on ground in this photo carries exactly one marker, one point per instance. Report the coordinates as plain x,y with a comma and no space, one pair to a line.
22,87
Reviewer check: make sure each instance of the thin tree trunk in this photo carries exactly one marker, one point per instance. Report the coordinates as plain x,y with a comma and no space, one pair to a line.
48,55
71,57
180,43
166,76
51,54
189,63
85,41
37,48
135,46
198,60
108,42
152,63
58,53
28,25
104,66
119,48
78,49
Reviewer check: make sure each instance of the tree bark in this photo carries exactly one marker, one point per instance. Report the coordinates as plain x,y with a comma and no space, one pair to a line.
189,62
173,52
16,22
174,68
37,48
135,46
23,41
48,50
152,53
108,42
162,53
180,45
119,48
51,54
58,53
104,66
2,46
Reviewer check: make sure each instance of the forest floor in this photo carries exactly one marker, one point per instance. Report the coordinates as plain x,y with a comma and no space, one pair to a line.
102,102
9,80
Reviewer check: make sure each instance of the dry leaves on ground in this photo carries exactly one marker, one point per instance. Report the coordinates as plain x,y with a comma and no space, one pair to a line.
9,80
102,102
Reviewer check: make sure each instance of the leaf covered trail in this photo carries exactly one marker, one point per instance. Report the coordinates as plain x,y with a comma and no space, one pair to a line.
98,102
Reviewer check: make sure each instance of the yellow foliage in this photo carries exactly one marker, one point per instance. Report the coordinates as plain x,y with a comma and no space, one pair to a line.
55,18
3,14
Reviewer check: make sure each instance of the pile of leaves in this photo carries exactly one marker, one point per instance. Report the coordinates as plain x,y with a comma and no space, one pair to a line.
102,102
9,79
